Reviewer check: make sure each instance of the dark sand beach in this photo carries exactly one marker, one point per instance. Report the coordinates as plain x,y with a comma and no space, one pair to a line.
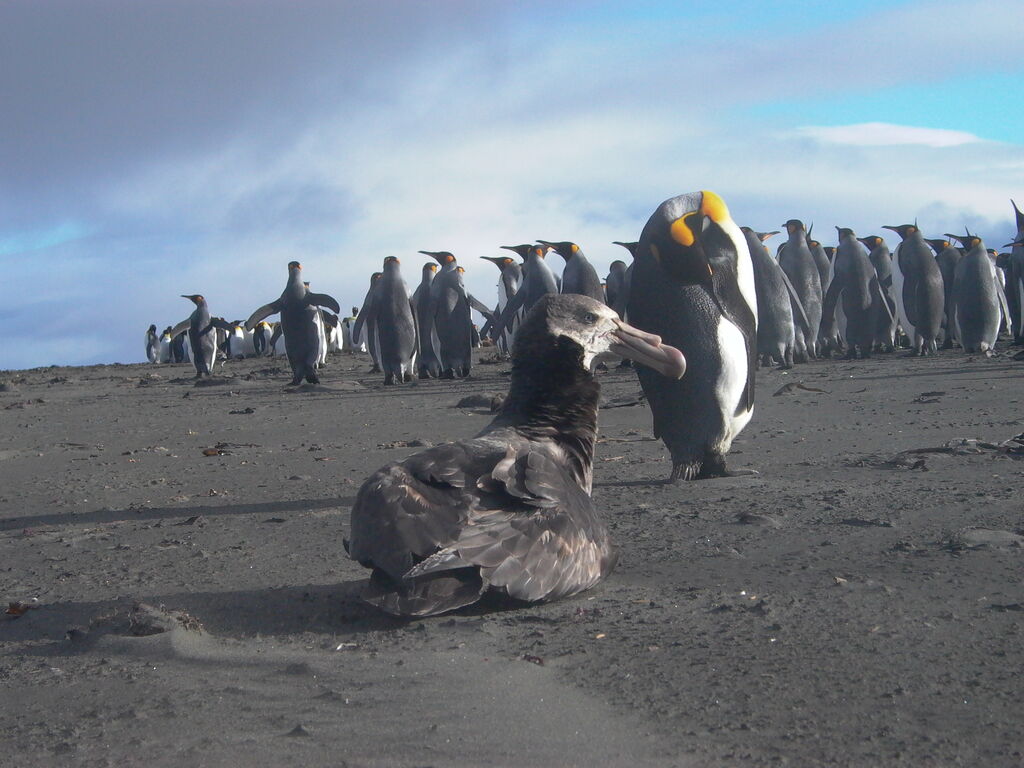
860,602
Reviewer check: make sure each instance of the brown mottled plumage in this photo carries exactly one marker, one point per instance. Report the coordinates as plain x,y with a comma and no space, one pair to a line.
509,509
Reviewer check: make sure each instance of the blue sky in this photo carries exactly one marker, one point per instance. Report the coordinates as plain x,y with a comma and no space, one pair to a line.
154,149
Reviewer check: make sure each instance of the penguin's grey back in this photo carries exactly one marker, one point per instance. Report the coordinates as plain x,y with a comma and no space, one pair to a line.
579,276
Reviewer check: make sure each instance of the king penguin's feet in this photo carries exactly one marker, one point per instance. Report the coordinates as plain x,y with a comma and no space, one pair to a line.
712,466
389,379
683,472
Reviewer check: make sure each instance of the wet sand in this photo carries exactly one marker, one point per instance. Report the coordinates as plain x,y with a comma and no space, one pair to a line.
858,603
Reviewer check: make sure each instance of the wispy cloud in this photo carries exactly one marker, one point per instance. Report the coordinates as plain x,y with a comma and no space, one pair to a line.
886,134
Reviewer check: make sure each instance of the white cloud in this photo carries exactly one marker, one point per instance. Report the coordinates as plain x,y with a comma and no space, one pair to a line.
886,135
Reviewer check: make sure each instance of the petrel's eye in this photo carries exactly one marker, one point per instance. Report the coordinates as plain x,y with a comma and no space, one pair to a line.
590,317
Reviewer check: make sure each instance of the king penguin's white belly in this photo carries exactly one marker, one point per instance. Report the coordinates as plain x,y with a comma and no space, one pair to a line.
731,381
897,289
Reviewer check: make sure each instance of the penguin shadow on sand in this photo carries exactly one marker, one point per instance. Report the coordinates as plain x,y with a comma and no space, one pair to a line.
988,367
315,389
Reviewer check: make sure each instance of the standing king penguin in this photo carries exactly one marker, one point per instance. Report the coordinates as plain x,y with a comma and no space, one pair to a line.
261,339
152,345
538,281
881,260
165,345
508,285
396,327
615,284
977,309
821,261
779,311
202,335
427,364
364,332
917,282
798,263
452,324
693,286
298,307
947,256
348,344
622,293
579,275
854,287
1015,280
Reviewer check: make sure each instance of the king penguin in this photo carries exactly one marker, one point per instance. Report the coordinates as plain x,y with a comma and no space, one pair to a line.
395,325
510,322
538,280
798,263
977,310
947,256
615,284
152,345
779,311
693,286
821,261
917,283
261,339
881,260
202,335
579,275
332,324
1015,280
509,280
854,286
452,334
348,343
363,331
165,345
298,307
427,364
622,299
179,346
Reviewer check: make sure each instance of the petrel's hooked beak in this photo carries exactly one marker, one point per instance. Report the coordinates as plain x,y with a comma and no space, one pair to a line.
647,349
